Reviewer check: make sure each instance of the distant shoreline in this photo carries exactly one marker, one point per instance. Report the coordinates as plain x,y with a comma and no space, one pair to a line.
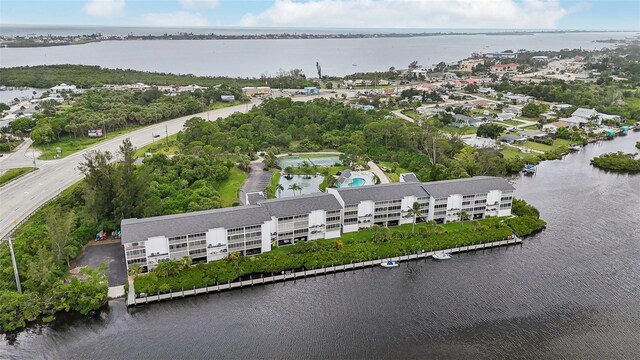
64,40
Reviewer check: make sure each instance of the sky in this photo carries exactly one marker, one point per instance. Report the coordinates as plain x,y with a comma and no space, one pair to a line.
418,14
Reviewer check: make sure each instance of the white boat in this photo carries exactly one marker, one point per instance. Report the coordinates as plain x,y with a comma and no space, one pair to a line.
390,264
575,147
442,256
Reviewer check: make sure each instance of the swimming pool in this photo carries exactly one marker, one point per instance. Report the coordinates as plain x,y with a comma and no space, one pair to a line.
357,182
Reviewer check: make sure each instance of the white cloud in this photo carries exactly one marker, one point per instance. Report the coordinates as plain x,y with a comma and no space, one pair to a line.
175,19
449,14
199,3
104,8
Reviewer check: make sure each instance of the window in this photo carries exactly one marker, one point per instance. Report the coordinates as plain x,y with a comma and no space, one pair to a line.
351,213
350,221
440,206
505,206
481,201
333,227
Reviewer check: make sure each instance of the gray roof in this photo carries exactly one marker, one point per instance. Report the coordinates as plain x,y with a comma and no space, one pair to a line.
584,113
302,204
344,175
409,177
394,191
134,230
462,117
254,198
469,186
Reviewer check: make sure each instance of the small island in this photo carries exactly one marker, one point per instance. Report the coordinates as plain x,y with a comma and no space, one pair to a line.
618,162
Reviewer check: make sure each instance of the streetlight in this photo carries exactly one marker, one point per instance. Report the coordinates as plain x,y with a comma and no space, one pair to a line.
13,261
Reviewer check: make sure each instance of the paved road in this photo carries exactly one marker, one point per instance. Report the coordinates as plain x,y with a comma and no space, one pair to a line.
20,198
402,116
379,173
25,195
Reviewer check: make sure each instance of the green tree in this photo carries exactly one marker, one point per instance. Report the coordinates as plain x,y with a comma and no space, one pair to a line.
129,189
295,187
59,226
414,212
42,133
98,184
492,131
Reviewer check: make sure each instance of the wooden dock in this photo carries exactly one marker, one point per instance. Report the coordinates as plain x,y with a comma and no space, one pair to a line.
132,300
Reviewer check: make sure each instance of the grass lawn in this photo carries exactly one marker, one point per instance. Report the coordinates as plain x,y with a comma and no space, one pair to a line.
160,147
530,127
222,105
230,188
273,186
69,145
351,247
412,114
393,176
546,148
513,153
512,122
467,130
11,174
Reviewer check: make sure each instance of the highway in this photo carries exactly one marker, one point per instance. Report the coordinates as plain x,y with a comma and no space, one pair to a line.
20,198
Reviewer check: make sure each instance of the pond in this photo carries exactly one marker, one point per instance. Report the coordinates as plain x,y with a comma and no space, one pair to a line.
309,183
296,161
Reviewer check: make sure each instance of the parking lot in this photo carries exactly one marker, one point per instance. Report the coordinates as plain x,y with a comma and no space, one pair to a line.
110,253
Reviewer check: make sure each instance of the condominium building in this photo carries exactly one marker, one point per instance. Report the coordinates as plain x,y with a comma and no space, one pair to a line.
256,228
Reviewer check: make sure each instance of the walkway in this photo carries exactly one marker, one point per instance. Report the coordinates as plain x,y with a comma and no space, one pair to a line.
378,172
257,181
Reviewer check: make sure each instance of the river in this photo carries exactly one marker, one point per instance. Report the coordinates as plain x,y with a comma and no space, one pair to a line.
571,291
338,57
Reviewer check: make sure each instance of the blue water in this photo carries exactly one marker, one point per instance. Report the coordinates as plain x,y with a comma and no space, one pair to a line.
357,182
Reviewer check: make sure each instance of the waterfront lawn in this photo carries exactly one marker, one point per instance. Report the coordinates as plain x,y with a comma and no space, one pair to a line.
352,247
513,153
11,174
273,186
558,144
69,144
230,188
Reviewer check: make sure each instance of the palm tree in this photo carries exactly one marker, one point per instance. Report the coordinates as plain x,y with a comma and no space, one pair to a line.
134,270
280,188
464,215
295,187
414,212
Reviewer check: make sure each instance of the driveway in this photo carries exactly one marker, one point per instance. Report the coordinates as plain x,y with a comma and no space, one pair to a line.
111,254
257,181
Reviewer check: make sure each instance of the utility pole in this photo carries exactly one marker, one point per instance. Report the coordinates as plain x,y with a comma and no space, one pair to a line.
33,154
15,265
166,132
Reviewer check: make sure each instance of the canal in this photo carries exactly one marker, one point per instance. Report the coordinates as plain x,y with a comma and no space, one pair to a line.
572,291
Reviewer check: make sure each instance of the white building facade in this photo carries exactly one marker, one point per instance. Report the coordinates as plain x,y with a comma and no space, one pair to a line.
254,229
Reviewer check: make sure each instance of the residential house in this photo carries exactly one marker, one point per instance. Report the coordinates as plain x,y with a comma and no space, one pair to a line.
554,126
513,138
